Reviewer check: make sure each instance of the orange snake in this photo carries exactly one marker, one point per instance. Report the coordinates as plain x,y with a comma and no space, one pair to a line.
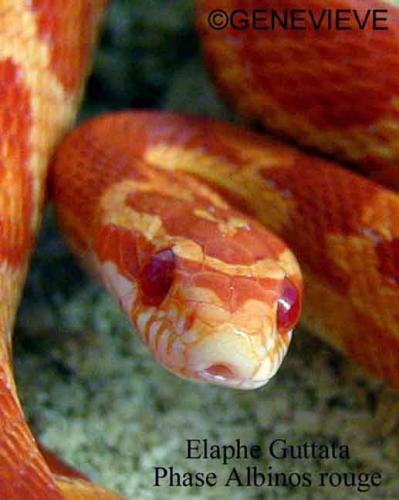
213,294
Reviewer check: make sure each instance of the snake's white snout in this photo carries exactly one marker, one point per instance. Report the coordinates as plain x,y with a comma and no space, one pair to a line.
228,358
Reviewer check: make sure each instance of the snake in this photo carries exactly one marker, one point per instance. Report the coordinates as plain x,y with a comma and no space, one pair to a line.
214,239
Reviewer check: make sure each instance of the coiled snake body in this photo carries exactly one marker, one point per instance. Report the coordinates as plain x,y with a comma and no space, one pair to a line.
146,201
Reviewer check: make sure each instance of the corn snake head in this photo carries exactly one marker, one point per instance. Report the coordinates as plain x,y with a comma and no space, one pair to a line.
160,263
211,292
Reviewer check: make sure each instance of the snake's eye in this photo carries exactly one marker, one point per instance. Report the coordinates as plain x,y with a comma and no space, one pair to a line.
156,277
288,307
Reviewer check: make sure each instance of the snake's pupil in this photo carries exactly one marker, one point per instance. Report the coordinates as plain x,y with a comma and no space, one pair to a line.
156,277
288,308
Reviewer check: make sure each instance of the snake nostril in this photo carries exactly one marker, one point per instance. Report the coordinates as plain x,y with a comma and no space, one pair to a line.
219,371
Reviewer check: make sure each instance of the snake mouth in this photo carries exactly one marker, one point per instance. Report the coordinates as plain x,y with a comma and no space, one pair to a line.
219,373
224,374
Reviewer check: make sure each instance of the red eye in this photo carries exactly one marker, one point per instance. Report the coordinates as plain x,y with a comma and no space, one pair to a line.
156,277
289,307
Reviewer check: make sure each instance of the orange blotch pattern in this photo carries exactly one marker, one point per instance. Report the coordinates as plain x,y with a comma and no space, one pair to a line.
23,473
241,246
70,36
128,249
26,90
325,204
16,236
309,72
334,90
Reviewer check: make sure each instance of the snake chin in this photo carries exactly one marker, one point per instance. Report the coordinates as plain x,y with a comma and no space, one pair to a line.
243,372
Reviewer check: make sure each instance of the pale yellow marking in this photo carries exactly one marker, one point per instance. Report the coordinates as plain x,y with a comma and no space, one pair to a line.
153,334
170,157
232,226
362,267
116,211
265,372
162,346
229,227
377,214
253,318
219,349
246,183
143,318
116,195
123,290
354,143
236,223
48,98
263,268
201,295
333,319
289,263
205,214
11,281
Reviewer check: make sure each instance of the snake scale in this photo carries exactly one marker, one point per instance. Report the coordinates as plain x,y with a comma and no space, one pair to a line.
170,211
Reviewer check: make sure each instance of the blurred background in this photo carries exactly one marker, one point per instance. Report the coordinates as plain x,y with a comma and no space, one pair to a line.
90,389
